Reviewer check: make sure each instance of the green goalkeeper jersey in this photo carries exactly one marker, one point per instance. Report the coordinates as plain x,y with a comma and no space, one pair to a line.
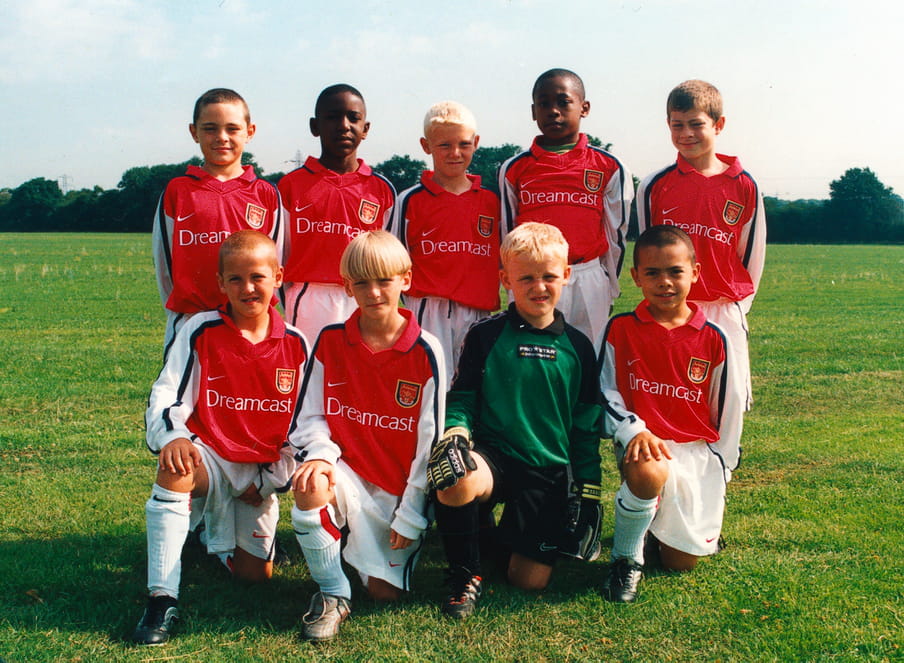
531,393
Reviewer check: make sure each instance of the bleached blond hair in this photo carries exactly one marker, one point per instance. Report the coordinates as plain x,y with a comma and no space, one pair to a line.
449,112
376,254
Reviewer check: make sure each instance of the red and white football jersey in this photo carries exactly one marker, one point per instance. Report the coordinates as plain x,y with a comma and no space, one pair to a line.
585,192
195,214
326,210
238,397
453,240
672,382
724,216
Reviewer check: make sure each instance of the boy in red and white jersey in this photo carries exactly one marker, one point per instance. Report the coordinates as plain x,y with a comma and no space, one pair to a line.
582,190
329,201
371,406
217,417
715,201
200,209
674,410
450,225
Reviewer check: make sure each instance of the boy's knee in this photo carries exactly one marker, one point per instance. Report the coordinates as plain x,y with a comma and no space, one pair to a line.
380,590
249,568
457,495
315,499
646,479
676,560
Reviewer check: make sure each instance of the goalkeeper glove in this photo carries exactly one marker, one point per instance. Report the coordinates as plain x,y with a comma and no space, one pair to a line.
582,523
450,459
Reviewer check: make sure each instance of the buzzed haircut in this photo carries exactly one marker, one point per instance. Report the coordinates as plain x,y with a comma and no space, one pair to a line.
375,254
536,240
449,112
219,95
560,73
695,94
332,90
662,236
246,241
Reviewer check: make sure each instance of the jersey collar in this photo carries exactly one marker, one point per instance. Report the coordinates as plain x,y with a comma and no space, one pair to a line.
436,189
277,324
201,174
406,341
538,151
698,318
314,165
734,165
557,328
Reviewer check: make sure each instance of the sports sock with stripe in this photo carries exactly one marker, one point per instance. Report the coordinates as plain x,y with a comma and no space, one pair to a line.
633,516
167,515
320,541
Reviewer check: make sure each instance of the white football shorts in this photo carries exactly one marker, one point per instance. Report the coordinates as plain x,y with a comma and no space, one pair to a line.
313,306
729,316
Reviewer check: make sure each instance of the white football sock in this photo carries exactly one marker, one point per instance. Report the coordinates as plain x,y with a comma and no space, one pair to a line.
320,541
632,520
167,515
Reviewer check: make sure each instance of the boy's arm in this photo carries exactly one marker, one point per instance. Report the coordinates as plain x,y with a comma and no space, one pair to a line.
727,399
509,198
619,422
397,224
410,519
309,433
752,247
278,231
162,248
640,201
584,436
616,212
175,392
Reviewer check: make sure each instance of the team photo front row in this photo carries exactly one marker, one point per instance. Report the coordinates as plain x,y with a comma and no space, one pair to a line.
390,394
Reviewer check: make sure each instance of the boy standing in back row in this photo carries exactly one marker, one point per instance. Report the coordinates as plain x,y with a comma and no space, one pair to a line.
450,225
329,201
715,201
582,190
200,209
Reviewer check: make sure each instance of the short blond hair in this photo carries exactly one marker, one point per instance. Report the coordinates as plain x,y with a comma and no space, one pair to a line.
375,254
449,112
247,241
695,94
537,240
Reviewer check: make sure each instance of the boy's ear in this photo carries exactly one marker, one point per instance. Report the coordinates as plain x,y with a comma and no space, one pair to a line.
406,281
719,124
366,129
347,285
278,276
221,283
193,130
533,112
585,108
425,146
315,130
695,274
504,280
634,276
251,129
476,141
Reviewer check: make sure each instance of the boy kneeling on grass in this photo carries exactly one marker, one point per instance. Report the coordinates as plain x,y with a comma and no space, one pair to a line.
217,416
673,409
526,393
370,408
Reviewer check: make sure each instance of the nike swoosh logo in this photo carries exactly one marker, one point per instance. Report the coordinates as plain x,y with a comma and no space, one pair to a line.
631,362
394,565
335,384
258,536
622,505
182,218
428,232
671,209
711,540
544,547
302,209
218,377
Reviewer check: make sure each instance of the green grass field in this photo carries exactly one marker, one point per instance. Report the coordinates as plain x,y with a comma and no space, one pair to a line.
813,569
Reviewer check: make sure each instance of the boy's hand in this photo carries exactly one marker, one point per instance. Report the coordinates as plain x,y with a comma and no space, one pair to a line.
450,459
397,541
251,496
307,476
179,457
646,446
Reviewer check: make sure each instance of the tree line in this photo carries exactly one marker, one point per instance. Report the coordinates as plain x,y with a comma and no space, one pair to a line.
860,209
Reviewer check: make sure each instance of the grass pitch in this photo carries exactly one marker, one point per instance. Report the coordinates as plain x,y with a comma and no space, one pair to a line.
812,570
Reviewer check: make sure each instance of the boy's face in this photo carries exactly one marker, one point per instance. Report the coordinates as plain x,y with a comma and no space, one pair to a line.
340,124
665,275
249,279
558,108
378,298
221,131
452,148
694,133
536,285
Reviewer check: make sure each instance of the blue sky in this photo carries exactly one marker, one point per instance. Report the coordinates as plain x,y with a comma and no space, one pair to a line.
89,88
